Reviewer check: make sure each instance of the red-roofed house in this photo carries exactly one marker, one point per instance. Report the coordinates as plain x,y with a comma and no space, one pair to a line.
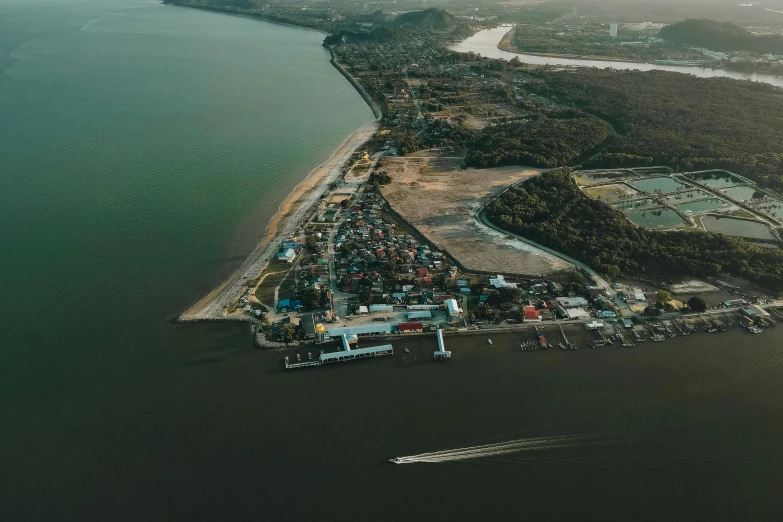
410,327
532,315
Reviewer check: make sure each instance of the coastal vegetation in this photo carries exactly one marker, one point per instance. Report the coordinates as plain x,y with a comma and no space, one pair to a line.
552,210
677,120
540,142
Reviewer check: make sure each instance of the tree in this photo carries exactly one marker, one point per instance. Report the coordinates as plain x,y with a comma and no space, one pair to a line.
664,296
344,203
697,304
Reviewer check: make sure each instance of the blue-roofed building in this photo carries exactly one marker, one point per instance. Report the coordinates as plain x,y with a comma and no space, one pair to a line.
288,255
289,304
464,290
606,314
462,282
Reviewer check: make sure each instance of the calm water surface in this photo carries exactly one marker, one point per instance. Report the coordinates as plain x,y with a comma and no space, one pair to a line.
486,42
143,149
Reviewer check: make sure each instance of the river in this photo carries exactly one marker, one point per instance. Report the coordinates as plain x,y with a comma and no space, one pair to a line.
143,148
486,42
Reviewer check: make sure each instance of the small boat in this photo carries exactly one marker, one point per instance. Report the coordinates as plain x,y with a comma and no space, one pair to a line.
395,460
406,350
489,341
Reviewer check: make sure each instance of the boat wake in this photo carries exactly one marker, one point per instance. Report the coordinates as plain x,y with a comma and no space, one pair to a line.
501,448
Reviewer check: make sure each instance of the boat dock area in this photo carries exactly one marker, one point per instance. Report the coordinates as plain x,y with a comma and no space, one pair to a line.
350,352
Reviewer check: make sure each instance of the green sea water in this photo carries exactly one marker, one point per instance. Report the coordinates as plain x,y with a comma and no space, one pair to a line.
143,149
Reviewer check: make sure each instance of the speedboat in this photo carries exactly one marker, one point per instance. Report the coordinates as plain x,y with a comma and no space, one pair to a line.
396,460
406,350
489,341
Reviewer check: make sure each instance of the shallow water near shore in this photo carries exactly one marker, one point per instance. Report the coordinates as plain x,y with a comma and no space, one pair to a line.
124,202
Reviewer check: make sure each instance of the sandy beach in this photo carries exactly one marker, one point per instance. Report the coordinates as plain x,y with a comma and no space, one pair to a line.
285,221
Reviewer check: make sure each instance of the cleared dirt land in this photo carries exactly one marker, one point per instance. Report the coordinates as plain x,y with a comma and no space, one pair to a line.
440,202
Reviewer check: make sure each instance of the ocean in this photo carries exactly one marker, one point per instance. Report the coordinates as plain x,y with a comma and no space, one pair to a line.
143,150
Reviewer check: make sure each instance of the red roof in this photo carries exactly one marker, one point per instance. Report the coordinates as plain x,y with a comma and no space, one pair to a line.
443,297
405,327
548,305
421,271
531,312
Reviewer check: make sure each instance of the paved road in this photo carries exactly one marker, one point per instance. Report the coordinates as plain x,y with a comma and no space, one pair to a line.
340,299
595,276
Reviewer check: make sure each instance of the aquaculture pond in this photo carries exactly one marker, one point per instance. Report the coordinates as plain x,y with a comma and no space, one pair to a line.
741,193
737,227
638,204
704,204
656,218
664,184
771,208
717,179
688,196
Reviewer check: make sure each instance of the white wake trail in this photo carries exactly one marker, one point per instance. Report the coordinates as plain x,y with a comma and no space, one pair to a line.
488,450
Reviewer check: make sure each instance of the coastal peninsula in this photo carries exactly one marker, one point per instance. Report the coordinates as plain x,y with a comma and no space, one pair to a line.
432,218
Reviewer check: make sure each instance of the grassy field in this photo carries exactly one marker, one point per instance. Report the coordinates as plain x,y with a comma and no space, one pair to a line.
610,193
272,277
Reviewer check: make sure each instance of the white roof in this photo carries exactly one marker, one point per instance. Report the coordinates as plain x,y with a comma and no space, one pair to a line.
360,329
356,352
500,282
577,313
363,309
452,306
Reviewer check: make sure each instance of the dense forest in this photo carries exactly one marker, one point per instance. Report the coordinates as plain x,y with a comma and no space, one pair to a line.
553,211
542,142
678,120
719,36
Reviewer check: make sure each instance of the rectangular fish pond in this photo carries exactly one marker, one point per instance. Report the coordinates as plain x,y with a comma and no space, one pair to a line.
737,227
743,193
629,206
661,217
702,205
664,184
716,178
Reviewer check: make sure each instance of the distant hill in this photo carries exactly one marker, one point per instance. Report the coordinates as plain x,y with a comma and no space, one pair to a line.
431,19
383,34
720,36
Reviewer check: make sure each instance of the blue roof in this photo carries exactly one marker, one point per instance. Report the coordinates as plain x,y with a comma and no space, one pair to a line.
462,282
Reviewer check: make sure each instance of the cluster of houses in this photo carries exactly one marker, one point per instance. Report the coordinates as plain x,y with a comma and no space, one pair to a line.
366,245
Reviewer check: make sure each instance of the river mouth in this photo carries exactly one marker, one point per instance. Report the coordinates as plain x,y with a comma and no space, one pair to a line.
486,43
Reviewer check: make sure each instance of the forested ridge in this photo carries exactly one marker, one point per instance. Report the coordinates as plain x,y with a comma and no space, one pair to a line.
552,210
720,36
678,120
541,142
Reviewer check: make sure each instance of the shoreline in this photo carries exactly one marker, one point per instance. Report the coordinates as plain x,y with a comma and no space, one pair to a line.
291,211
285,221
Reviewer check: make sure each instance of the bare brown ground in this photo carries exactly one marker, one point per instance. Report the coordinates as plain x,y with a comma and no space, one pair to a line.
441,202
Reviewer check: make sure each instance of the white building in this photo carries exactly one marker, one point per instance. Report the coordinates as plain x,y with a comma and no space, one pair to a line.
500,282
452,307
613,29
